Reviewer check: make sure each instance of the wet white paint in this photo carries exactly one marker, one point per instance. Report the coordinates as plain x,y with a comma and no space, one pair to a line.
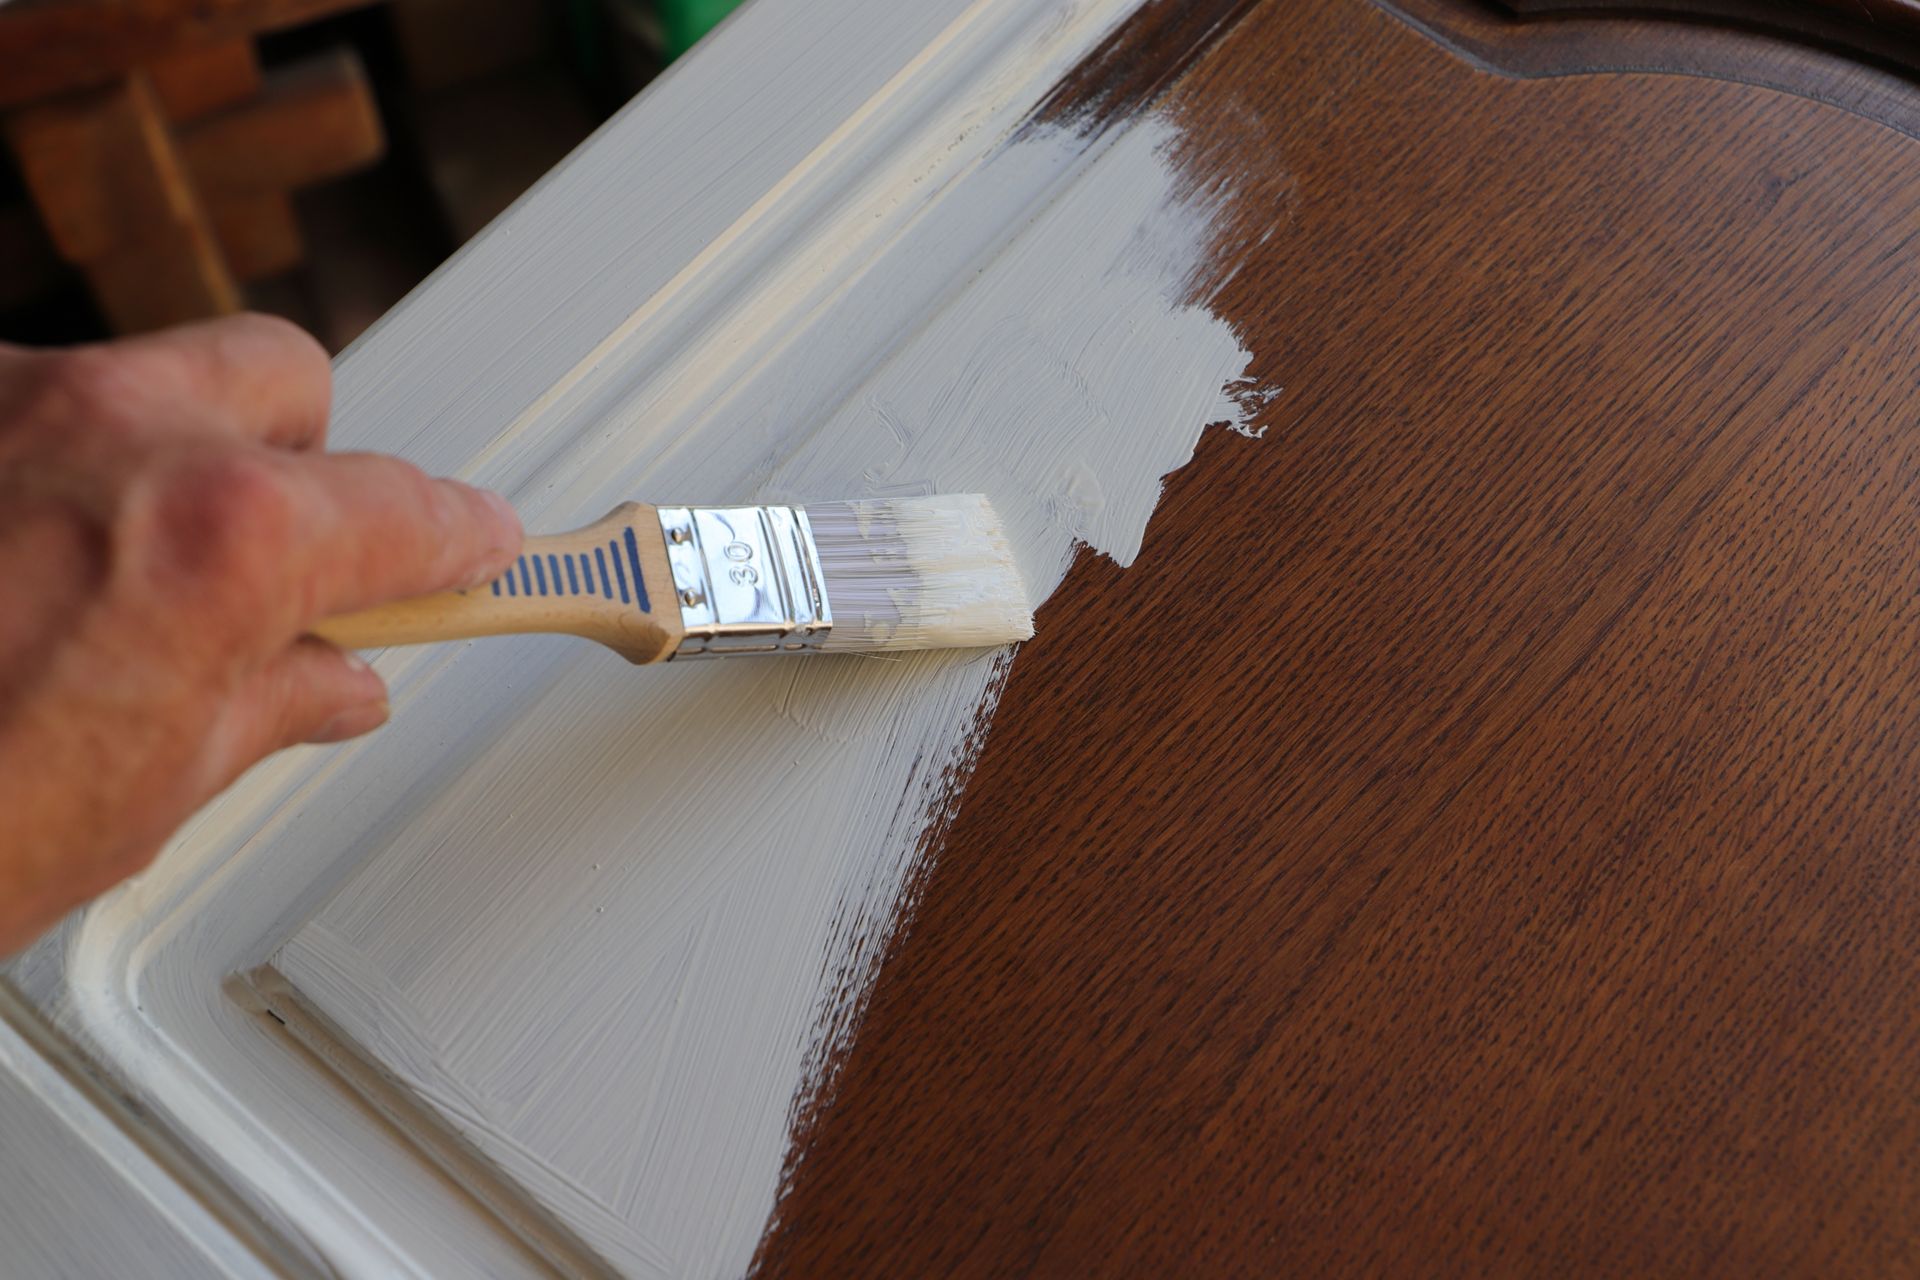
71,1155
611,945
609,924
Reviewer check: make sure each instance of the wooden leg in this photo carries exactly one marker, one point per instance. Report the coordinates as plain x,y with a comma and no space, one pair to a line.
258,234
163,281
116,199
171,186
313,120
198,82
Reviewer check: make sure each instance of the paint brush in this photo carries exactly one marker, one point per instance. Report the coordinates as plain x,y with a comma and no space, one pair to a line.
655,583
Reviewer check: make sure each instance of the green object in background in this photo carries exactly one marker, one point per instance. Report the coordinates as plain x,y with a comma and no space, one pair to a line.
683,22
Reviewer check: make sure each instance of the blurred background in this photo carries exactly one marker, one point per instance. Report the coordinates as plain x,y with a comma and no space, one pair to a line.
169,160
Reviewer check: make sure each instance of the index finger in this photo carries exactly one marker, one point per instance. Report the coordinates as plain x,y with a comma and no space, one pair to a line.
253,377
377,529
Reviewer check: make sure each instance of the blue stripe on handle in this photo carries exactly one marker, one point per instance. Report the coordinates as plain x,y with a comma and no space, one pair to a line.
529,575
639,582
620,574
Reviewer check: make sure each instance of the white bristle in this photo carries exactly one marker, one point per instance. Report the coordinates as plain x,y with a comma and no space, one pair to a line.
919,573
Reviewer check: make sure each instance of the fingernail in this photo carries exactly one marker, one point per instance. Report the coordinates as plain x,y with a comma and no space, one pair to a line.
504,545
353,722
354,662
480,577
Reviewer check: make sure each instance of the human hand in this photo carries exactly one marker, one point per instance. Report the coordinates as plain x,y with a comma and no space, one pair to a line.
169,529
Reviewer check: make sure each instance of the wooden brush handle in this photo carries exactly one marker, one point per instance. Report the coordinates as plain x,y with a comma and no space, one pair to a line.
608,582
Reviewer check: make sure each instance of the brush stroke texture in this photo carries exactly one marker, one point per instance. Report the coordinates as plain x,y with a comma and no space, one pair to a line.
606,947
808,265
63,1154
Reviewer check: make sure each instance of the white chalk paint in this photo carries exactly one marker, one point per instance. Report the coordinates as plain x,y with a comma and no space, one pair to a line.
64,1156
611,924
608,945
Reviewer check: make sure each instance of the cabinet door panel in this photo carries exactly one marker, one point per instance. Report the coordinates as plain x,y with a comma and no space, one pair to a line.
611,948
1514,874
538,977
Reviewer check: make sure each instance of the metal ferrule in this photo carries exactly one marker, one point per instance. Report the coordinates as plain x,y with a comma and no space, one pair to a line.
748,580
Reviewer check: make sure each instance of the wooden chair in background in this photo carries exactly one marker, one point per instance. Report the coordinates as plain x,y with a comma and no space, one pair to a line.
159,157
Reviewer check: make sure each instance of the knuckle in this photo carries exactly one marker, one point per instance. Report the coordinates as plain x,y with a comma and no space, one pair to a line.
286,332
288,342
66,543
277,327
104,390
83,384
226,519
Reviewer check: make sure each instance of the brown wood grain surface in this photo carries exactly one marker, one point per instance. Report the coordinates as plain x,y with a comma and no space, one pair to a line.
1879,30
1761,43
1499,858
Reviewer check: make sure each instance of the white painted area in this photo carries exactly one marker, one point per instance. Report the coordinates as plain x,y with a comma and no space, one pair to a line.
607,945
62,1157
607,922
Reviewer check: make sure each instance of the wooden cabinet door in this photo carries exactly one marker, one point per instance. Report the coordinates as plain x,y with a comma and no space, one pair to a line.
1453,819
1498,857
538,980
